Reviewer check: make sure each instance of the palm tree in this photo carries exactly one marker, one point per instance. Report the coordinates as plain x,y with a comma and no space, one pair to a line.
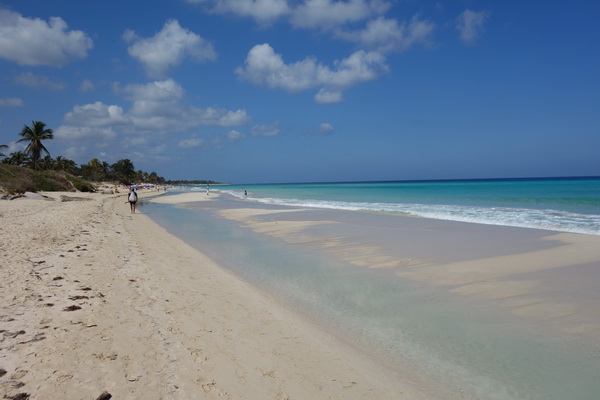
64,164
94,170
45,163
34,134
17,158
3,146
124,171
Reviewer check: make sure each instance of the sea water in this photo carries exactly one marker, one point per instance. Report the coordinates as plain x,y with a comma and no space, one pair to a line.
561,204
461,345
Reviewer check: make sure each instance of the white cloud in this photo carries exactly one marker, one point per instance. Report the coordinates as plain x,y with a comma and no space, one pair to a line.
263,11
360,66
156,109
327,96
12,147
156,97
266,129
78,133
38,81
192,141
75,152
28,41
137,141
312,14
470,25
11,102
168,48
385,34
158,106
264,67
325,129
86,86
220,117
96,115
234,136
328,14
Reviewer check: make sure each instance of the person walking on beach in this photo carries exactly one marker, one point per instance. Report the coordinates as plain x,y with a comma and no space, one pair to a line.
132,198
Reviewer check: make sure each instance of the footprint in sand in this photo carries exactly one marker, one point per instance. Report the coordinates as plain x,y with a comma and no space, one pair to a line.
207,384
199,357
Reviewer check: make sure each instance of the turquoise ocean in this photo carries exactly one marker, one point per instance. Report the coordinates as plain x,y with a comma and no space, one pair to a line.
471,349
561,204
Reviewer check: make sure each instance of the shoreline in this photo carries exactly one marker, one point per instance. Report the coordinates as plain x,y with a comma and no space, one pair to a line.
510,266
485,294
101,301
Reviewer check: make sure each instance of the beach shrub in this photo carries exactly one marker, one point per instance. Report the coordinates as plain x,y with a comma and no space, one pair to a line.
79,184
15,179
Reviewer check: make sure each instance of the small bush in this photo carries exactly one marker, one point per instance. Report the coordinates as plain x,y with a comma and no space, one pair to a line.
80,184
14,179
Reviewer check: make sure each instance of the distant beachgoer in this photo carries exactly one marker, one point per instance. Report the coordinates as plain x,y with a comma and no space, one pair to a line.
207,189
245,193
132,198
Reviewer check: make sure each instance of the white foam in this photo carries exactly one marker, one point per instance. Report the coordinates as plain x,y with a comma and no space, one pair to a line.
516,217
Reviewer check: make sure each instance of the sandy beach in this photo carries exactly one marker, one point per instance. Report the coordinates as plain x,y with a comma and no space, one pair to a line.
97,302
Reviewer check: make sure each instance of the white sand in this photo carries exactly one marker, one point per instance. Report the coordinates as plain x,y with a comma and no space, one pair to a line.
152,318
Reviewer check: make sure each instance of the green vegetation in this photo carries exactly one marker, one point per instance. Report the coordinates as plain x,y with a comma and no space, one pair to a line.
15,179
34,135
27,170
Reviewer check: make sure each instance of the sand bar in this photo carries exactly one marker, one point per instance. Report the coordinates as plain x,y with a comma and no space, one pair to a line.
536,274
96,300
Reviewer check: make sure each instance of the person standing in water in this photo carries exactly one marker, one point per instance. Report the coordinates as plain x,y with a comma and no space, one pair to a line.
132,198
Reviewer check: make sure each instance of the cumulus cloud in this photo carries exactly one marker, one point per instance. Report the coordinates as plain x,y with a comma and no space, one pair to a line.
384,34
159,105
311,14
156,109
470,25
168,48
11,102
264,67
97,114
328,14
38,81
358,21
33,41
263,11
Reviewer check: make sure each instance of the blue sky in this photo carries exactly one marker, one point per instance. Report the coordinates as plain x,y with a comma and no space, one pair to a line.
258,91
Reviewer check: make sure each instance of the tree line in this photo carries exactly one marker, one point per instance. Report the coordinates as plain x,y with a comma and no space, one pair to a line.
122,171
